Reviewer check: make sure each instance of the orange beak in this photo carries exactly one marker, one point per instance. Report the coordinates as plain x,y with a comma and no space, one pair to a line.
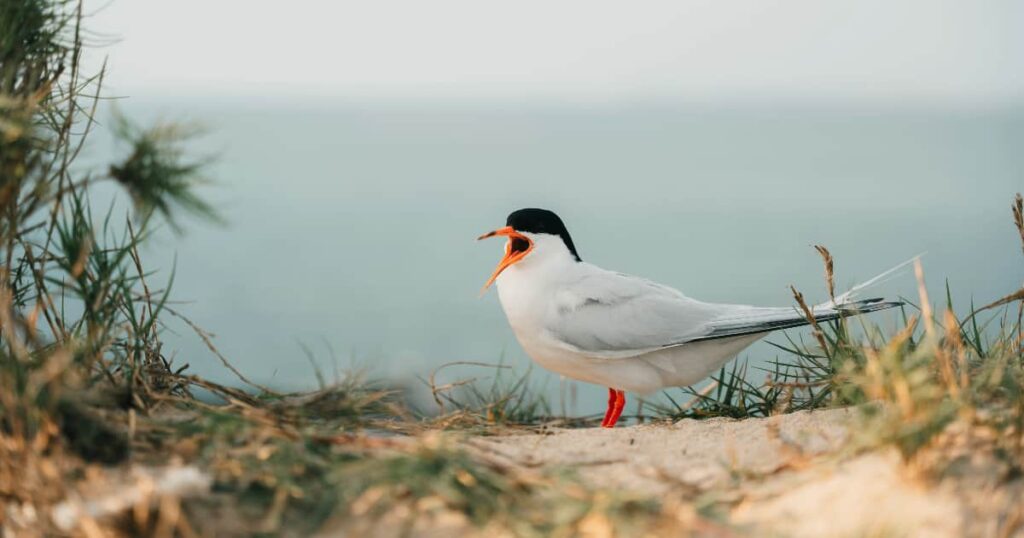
517,247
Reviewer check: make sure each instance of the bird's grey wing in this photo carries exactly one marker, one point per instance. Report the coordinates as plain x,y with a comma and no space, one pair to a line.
611,315
739,320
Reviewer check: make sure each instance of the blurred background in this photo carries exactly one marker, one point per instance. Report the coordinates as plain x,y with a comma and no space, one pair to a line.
362,146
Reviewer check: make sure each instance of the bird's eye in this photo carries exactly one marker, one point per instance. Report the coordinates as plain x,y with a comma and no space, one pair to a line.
518,244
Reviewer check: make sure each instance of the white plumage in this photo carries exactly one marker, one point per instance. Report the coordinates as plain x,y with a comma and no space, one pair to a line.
621,331
625,332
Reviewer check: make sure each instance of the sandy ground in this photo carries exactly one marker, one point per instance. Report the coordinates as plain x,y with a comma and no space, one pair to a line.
786,475
791,475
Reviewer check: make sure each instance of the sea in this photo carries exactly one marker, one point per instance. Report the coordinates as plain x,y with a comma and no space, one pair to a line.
347,240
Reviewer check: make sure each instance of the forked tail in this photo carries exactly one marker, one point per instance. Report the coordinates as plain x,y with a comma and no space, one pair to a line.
753,320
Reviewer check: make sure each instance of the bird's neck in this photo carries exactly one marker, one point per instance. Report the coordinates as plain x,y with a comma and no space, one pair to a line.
528,284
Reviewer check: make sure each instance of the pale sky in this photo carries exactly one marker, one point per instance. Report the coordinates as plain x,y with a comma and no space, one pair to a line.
945,51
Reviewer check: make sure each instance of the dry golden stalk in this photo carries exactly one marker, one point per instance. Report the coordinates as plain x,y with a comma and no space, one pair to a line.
704,392
874,388
438,390
208,340
955,341
883,385
905,333
1015,296
946,369
1018,221
1018,217
943,351
1013,522
820,336
826,257
926,305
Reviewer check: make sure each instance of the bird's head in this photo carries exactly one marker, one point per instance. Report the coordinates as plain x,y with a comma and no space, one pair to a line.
531,232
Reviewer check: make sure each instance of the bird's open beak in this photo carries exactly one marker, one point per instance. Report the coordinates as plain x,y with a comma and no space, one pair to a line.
517,247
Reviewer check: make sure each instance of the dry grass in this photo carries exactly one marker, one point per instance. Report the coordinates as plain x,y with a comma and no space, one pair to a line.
938,370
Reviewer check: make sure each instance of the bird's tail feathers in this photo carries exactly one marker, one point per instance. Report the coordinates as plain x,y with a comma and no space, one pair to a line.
848,298
753,320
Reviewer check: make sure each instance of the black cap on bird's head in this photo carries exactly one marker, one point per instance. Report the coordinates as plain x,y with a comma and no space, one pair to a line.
541,221
528,221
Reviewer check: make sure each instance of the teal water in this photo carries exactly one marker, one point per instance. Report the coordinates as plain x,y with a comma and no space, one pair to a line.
351,226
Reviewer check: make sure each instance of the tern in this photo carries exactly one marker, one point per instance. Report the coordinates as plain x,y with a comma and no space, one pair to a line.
621,331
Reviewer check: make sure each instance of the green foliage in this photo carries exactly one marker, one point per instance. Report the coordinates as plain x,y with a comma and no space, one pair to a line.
730,394
156,173
75,306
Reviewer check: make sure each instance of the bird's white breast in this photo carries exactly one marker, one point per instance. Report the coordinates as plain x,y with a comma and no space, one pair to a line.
528,291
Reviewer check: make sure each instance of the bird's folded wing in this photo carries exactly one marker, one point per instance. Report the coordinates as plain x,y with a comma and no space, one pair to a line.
742,320
611,315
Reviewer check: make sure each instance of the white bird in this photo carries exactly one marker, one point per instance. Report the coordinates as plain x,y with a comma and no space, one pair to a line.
624,332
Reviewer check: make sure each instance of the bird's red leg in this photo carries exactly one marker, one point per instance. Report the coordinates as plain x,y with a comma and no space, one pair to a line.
616,410
611,407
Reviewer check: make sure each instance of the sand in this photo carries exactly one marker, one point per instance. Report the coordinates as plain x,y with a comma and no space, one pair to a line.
791,475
